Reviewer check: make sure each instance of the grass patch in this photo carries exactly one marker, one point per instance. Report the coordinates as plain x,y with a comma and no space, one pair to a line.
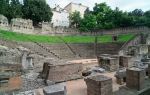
55,39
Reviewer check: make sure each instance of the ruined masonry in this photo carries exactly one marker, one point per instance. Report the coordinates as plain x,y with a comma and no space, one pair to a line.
99,85
22,25
135,78
61,72
110,63
4,23
57,89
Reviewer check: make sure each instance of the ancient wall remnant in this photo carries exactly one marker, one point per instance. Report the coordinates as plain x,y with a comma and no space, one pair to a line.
110,63
125,61
61,72
135,78
46,27
22,25
10,68
3,23
99,85
138,50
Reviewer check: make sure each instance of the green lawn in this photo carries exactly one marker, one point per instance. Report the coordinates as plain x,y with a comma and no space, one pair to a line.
55,39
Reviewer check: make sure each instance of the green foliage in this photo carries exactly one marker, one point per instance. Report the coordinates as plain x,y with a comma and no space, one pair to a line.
104,15
75,19
55,39
37,10
147,18
15,10
88,22
11,9
106,18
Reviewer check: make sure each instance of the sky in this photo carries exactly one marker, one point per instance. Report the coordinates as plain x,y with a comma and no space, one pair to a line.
125,5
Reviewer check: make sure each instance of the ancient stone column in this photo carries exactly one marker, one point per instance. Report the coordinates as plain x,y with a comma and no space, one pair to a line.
30,62
24,60
135,78
99,85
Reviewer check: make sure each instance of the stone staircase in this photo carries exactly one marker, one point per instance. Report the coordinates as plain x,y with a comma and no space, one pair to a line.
109,48
61,50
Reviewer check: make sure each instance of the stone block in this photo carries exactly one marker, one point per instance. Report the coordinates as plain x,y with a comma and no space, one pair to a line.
99,85
135,78
57,89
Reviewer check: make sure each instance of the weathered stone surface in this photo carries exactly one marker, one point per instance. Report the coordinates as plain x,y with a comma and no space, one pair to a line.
57,89
22,25
110,63
135,78
3,23
99,85
62,72
125,61
121,76
148,70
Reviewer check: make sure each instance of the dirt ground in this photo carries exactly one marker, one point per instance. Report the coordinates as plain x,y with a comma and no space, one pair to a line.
78,87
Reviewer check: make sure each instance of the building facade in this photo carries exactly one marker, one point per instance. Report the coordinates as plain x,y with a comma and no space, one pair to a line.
60,17
72,7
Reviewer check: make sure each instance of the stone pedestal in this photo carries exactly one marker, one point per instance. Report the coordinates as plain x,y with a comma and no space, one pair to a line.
121,76
125,61
57,89
109,63
135,78
99,85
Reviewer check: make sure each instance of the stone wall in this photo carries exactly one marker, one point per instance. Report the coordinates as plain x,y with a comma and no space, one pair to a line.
9,56
132,42
4,23
26,26
59,73
22,25
48,29
85,50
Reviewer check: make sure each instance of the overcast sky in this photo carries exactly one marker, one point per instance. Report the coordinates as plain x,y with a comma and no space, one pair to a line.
126,5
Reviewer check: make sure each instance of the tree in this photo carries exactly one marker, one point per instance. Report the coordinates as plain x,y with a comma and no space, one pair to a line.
15,10
3,6
88,23
147,18
37,11
137,15
103,15
136,12
75,19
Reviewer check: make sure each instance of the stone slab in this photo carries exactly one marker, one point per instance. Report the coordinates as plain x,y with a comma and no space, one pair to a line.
57,89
